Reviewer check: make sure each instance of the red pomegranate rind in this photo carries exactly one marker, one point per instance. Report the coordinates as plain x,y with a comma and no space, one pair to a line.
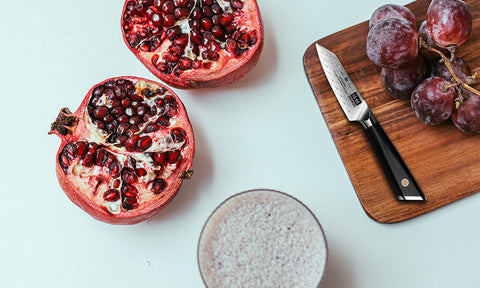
194,43
99,172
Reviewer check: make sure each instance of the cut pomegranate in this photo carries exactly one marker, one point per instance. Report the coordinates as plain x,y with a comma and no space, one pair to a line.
194,43
125,151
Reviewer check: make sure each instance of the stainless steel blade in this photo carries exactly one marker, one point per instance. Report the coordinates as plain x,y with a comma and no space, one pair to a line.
352,103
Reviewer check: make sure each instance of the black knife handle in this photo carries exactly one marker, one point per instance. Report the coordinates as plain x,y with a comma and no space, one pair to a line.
402,181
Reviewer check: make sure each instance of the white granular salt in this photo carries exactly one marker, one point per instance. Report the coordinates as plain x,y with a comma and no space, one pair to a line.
262,238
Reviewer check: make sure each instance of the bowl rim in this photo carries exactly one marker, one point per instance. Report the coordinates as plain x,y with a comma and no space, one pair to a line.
322,278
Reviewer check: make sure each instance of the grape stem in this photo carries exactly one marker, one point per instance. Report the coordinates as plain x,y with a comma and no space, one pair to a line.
470,80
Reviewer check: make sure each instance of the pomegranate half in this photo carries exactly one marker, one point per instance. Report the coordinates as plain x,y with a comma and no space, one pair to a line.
125,151
194,43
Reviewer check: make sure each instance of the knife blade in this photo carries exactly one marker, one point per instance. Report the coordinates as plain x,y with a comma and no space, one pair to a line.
403,183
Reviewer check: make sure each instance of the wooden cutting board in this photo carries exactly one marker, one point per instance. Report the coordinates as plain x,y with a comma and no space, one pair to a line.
444,161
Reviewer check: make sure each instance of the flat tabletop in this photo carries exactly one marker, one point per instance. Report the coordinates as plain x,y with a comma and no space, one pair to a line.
263,132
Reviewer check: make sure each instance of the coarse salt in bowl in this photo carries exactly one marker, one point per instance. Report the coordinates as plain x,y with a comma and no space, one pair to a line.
262,238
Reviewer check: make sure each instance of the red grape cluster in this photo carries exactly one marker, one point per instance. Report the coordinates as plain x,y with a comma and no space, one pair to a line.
420,65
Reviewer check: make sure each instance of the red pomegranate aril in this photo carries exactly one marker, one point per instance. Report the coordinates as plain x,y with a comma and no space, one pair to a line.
126,102
196,13
123,119
174,156
122,128
207,2
129,203
158,185
80,148
130,111
131,143
144,143
168,7
218,32
168,21
217,9
160,158
225,19
132,130
141,172
157,20
118,111
181,3
109,118
180,13
207,11
112,195
185,63
178,135
182,40
100,112
196,36
129,176
158,3
237,4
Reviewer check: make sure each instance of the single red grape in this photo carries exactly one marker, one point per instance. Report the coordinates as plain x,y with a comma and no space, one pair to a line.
467,117
449,22
430,55
460,68
392,10
431,102
401,82
392,42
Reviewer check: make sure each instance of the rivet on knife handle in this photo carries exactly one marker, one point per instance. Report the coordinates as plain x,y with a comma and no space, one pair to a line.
356,109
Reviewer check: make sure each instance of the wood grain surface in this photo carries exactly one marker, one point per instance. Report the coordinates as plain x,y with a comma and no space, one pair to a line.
444,161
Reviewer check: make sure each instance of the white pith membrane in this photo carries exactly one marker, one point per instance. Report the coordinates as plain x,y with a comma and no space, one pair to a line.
94,181
244,19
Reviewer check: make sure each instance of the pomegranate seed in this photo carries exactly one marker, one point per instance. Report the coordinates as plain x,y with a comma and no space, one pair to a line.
131,143
180,13
207,11
134,120
181,3
132,130
129,111
122,128
123,119
218,32
158,3
237,4
225,19
196,13
151,127
129,203
157,20
115,168
100,112
195,24
160,158
168,7
194,48
140,172
81,148
129,176
158,185
174,32
168,21
207,2
163,121
111,195
108,118
182,40
178,135
185,63
144,143
164,68
196,36
174,156
155,59
126,102
197,64
217,9
118,111
207,24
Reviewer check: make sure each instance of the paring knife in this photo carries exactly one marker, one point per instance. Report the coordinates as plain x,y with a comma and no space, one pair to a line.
356,109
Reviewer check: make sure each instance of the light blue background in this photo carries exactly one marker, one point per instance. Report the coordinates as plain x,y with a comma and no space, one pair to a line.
264,132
